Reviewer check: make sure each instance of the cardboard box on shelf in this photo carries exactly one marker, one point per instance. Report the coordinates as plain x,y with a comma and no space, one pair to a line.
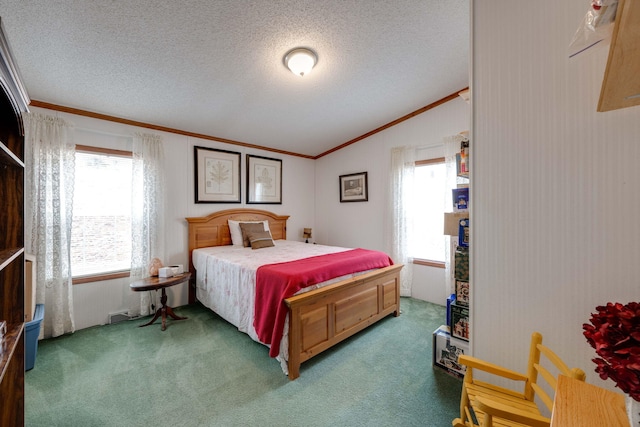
462,292
463,233
29,287
459,325
446,350
450,300
461,267
452,222
460,199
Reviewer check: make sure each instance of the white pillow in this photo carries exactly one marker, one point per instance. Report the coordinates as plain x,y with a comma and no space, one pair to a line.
236,233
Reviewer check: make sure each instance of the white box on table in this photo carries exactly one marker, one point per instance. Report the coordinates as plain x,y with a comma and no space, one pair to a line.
165,272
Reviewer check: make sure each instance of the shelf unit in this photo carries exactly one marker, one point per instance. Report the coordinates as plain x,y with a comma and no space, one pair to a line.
13,102
452,340
459,308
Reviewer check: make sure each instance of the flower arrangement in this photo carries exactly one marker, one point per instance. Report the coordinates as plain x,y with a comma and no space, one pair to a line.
614,332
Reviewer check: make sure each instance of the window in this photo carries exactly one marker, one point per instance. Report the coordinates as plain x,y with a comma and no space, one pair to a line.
101,228
430,185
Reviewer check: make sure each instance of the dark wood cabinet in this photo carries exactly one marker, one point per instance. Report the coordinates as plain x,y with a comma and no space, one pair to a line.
13,102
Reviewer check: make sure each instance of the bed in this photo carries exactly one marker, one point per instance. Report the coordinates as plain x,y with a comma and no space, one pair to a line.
317,317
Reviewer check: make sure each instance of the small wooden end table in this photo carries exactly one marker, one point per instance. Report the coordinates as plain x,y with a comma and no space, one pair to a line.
155,283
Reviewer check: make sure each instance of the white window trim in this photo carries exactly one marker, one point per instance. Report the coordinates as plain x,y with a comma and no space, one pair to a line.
112,274
424,261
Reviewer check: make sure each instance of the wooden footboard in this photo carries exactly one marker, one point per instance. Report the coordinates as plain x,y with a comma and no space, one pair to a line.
321,318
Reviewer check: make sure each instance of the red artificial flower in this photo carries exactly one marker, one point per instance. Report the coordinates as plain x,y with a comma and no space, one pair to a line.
614,333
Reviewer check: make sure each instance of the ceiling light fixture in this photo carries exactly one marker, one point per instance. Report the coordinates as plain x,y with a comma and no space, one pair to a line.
300,61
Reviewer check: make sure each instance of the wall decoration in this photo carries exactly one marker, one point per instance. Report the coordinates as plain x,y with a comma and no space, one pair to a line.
264,180
217,176
353,188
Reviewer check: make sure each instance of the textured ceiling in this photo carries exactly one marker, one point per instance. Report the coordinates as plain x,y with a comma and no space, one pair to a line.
215,67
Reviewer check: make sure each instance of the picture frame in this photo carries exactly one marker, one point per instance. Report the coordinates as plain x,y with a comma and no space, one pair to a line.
217,176
264,180
354,188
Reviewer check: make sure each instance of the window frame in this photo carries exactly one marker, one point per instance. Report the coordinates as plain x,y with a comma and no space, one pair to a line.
112,274
423,261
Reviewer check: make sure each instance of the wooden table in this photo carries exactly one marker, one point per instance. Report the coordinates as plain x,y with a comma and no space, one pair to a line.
579,404
155,283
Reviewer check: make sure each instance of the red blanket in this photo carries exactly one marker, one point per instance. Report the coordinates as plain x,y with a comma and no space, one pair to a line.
275,282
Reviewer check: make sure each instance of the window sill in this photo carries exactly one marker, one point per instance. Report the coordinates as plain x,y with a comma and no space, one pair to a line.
429,263
100,277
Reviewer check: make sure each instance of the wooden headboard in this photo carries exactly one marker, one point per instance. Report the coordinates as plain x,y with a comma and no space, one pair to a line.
213,230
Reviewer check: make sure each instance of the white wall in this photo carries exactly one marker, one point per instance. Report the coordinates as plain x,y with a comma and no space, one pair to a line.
362,224
553,185
310,197
94,301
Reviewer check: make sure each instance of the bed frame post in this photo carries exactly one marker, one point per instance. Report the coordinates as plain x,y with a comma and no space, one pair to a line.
295,333
321,318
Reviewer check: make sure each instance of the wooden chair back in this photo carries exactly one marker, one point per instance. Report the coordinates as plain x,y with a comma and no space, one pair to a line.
546,365
484,402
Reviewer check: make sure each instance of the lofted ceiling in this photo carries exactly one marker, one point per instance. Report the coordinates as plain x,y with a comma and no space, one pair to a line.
215,67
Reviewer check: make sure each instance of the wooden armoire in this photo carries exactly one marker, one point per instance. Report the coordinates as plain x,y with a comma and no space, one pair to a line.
13,102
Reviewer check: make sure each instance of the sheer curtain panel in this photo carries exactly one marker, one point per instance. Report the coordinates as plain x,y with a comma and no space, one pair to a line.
147,219
49,180
401,193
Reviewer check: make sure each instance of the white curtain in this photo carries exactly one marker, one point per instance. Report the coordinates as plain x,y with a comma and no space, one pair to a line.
401,193
451,148
49,181
147,216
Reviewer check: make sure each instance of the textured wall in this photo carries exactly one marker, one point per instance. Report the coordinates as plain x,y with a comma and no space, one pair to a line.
553,184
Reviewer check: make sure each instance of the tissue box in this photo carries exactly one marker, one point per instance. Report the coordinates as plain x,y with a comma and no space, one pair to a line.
165,272
446,350
177,269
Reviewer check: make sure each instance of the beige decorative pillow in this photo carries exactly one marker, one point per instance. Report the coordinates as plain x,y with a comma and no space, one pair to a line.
249,227
236,233
260,239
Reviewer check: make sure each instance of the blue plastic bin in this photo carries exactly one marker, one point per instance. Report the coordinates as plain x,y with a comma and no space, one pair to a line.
31,337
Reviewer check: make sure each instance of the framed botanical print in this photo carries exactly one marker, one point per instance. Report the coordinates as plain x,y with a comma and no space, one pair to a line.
264,180
217,176
353,187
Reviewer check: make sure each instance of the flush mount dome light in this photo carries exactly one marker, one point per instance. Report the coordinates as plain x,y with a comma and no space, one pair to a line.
300,60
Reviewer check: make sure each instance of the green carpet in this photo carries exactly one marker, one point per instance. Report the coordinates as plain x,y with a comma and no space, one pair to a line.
203,372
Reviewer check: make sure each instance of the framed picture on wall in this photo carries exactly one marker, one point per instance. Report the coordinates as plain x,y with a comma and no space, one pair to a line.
217,176
353,188
264,180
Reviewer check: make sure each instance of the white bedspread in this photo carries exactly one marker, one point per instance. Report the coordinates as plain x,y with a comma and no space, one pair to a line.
226,277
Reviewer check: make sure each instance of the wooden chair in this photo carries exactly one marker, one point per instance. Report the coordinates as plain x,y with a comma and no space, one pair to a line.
485,404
